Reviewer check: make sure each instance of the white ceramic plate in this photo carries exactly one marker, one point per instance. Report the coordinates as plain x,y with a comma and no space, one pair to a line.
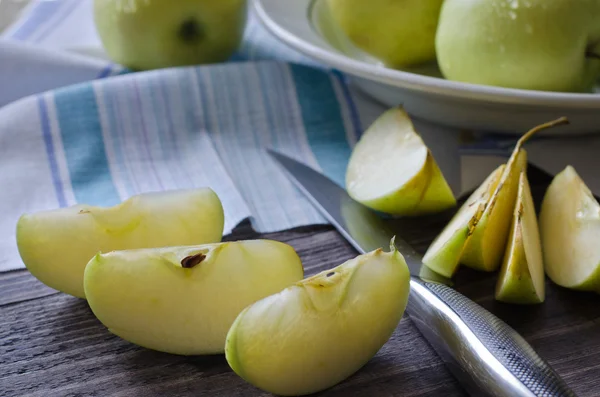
306,26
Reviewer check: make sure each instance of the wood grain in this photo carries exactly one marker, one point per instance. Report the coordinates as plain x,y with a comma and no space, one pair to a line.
52,345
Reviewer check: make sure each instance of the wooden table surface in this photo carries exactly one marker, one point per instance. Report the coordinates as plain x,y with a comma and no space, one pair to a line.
52,345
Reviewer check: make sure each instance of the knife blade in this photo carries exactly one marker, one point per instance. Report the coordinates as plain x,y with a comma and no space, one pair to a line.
487,357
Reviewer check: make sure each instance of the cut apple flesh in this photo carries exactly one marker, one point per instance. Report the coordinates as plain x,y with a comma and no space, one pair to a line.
56,245
323,329
570,231
444,253
183,300
392,170
521,278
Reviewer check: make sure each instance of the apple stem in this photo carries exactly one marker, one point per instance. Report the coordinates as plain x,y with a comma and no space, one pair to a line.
191,261
191,31
532,132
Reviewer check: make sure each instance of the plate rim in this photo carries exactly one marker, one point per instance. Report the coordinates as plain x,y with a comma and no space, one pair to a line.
411,81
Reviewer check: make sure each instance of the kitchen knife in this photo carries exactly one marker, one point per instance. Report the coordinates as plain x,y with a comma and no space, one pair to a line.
487,356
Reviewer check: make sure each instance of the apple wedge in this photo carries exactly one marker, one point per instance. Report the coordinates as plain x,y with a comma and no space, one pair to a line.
485,248
391,170
570,232
183,300
56,245
323,329
444,253
521,278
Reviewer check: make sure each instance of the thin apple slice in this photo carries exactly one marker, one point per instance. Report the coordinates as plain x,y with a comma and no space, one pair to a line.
484,250
445,251
56,245
570,231
183,300
391,170
521,278
323,329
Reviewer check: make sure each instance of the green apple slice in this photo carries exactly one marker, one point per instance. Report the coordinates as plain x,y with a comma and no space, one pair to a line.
570,231
521,279
391,170
56,245
183,300
484,250
488,241
323,329
444,253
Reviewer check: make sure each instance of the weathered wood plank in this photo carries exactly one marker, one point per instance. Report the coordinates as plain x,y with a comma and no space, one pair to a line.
54,346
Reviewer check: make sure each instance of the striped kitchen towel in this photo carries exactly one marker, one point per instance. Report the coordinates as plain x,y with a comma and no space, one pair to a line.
103,141
76,128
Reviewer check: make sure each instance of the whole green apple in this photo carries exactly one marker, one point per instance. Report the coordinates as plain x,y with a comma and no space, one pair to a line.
400,33
548,45
152,34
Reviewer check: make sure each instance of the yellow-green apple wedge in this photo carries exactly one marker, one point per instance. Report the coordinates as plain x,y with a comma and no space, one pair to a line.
391,169
444,253
151,34
484,250
507,43
183,300
323,329
521,278
570,231
398,33
56,245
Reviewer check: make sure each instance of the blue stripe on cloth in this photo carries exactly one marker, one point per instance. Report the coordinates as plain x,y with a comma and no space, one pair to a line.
83,143
48,142
41,12
354,116
115,130
324,125
107,71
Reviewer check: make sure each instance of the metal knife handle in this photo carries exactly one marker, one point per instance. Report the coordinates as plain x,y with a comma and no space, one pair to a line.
485,353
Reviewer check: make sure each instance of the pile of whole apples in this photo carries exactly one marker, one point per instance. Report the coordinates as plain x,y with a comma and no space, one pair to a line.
391,170
154,272
525,44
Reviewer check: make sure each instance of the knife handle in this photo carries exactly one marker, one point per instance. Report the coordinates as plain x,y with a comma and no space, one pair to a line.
488,356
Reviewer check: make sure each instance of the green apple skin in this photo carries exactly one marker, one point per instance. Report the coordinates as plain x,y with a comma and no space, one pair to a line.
56,245
445,252
521,279
484,250
153,34
399,33
150,298
570,232
524,44
320,331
